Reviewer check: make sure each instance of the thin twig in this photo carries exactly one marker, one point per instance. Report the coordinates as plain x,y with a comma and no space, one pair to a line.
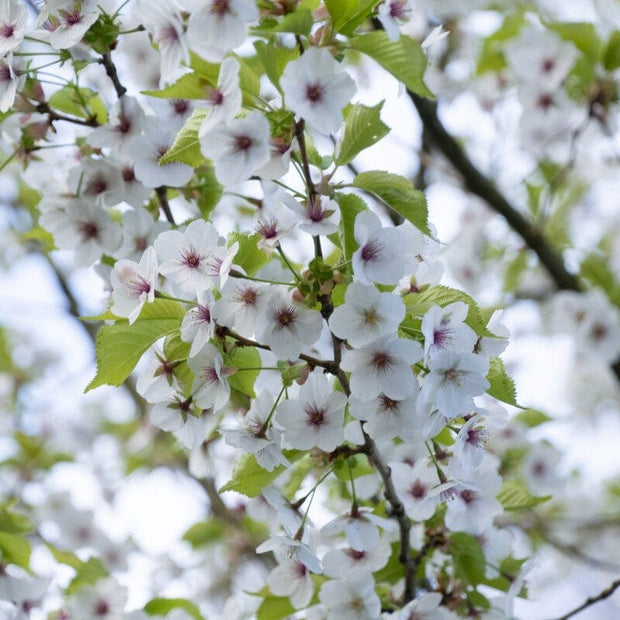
164,204
601,596
44,108
110,69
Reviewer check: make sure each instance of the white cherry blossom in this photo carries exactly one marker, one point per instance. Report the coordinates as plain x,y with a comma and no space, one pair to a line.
352,598
198,324
13,25
210,388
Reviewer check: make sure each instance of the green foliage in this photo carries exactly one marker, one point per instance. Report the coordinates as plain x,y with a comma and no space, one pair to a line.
186,145
532,418
119,347
491,57
363,127
596,270
249,478
205,533
502,386
611,57
273,607
80,102
583,35
188,86
468,557
398,192
297,474
274,59
86,572
162,606
350,206
15,549
298,22
514,496
418,304
249,256
404,59
242,359
102,35
346,15
207,191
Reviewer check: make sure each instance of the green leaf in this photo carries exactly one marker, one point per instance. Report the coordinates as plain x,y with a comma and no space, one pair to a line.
350,206
297,474
188,86
273,607
249,478
399,193
404,59
274,59
468,557
80,102
41,236
492,53
249,256
297,22
243,380
162,606
102,35
13,522
532,418
514,496
611,57
595,268
205,533
186,146
348,14
583,35
418,304
15,549
119,347
363,127
502,386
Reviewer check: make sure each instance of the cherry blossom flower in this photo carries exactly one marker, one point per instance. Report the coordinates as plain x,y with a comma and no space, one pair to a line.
157,381
288,327
319,218
186,257
257,437
360,526
453,380
105,599
218,26
163,21
469,445
316,418
353,598
386,418
366,315
25,593
383,366
413,485
96,179
68,21
444,329
139,232
133,284
13,25
237,147
272,225
427,607
393,13
287,548
340,562
11,80
126,121
210,387
316,88
180,417
147,151
223,101
292,578
540,469
198,325
383,254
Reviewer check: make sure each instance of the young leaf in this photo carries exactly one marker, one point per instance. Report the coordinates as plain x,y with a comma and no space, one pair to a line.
161,606
15,549
274,59
399,193
186,146
468,557
404,59
532,418
243,380
514,496
119,347
249,256
502,386
350,205
363,127
188,86
297,22
348,14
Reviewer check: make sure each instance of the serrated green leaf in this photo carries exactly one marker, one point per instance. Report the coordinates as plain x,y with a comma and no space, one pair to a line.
162,606
298,22
350,206
514,496
15,549
363,127
186,145
532,418
119,347
468,557
404,58
80,102
348,14
249,256
418,304
274,59
243,380
502,386
611,57
188,86
399,193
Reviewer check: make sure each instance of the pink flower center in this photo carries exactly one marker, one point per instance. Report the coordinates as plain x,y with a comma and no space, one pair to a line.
220,7
191,258
204,314
128,174
286,317
71,18
210,375
140,243
102,608
417,490
545,101
247,296
315,92
548,65
96,185
268,229
242,143
387,404
89,230
5,73
468,496
180,106
371,250
7,31
381,360
138,285
315,415
124,124
215,96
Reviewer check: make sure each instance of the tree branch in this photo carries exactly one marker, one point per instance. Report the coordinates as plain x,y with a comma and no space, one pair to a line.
110,69
606,593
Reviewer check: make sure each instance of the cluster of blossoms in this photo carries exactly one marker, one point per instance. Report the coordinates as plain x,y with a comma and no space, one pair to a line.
277,313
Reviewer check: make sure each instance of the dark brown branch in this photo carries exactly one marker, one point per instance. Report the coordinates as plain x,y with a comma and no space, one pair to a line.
164,204
44,108
110,69
606,593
